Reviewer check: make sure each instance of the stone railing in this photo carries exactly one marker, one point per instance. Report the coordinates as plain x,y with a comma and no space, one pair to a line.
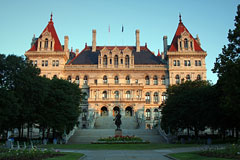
162,133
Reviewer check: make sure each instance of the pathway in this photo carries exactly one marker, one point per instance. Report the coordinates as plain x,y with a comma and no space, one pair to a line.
158,154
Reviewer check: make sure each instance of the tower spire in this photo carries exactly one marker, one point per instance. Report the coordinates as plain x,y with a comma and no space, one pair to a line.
180,18
51,17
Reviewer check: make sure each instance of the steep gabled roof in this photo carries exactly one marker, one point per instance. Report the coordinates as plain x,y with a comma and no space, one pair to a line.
50,27
86,56
174,45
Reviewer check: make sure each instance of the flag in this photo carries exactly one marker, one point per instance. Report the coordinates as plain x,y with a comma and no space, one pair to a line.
109,28
122,28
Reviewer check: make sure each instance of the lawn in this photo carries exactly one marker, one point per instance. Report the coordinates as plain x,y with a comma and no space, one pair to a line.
193,156
67,156
117,146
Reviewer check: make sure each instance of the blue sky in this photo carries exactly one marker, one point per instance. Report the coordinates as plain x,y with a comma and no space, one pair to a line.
210,19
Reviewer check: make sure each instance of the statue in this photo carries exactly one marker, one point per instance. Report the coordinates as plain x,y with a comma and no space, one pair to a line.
118,121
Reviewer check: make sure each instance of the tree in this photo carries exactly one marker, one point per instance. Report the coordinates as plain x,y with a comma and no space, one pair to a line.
227,66
188,106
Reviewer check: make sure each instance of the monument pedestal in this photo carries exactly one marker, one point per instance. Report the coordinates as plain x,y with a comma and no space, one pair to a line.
118,132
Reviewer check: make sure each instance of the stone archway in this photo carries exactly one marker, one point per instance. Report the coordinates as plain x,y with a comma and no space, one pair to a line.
104,111
129,111
116,109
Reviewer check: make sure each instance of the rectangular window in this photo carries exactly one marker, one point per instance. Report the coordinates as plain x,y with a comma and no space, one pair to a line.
189,63
95,81
121,61
46,62
42,63
35,62
178,63
196,63
57,63
174,62
53,63
136,81
110,61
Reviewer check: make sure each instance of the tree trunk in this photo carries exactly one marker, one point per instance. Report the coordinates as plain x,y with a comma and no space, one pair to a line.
19,132
48,132
22,131
188,132
53,133
28,130
43,133
196,132
237,134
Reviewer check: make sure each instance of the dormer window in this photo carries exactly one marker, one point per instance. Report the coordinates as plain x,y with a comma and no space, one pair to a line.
127,61
185,43
105,60
46,43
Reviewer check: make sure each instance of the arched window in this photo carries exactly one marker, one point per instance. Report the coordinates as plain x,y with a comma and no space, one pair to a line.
155,97
69,79
177,79
185,43
188,78
148,114
105,80
199,77
105,60
156,114
127,80
104,111
147,80
46,43
147,97
85,79
55,76
104,95
155,80
116,81
191,44
116,94
116,61
127,61
163,80
77,80
128,94
164,97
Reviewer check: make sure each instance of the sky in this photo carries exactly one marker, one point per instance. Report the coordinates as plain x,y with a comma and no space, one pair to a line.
210,19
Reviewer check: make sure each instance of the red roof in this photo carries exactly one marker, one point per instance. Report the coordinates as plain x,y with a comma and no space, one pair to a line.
174,45
51,29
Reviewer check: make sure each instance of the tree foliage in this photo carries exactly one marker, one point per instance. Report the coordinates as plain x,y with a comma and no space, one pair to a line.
189,105
227,66
27,98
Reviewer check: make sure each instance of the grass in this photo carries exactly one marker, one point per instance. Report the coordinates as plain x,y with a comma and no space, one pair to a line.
67,156
193,156
117,146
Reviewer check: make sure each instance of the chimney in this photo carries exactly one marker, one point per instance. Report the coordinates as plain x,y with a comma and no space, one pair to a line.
77,52
65,43
198,40
165,45
137,41
163,55
93,40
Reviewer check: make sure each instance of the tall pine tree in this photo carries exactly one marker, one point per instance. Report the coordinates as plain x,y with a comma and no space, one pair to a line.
227,66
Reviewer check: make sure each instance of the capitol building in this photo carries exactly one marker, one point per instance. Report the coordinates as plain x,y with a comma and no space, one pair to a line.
131,80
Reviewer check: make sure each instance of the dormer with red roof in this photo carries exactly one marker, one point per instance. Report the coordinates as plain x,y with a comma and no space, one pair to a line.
186,58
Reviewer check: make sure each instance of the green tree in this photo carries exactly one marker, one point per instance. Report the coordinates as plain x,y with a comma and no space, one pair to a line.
187,107
227,66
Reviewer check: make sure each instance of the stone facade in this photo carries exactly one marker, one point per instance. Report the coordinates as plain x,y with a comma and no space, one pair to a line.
129,79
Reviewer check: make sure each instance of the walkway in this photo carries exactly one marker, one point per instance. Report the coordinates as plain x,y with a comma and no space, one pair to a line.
130,154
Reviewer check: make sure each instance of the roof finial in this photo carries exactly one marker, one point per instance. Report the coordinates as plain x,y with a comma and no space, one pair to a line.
51,16
180,18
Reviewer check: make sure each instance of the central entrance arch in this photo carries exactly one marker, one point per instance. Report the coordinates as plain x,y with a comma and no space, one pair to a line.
129,111
104,111
116,109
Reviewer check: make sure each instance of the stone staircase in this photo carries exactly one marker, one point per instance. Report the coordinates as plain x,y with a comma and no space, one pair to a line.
86,136
108,123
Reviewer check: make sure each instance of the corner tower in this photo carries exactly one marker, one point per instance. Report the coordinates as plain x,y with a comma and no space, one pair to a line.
186,58
47,53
